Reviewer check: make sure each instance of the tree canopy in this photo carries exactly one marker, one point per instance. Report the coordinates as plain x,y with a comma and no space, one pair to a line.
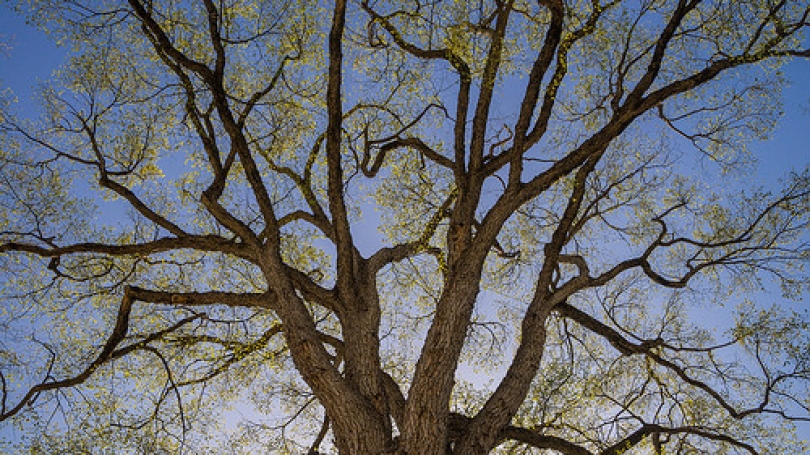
418,227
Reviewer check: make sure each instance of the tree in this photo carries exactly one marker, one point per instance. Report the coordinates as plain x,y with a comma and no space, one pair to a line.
530,166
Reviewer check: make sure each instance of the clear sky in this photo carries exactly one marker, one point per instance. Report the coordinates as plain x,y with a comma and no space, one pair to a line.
28,56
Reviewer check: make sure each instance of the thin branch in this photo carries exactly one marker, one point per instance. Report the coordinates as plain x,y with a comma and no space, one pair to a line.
118,334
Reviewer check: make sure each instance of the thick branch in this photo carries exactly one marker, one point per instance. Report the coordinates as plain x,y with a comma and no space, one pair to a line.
200,243
504,403
337,201
191,299
532,93
460,423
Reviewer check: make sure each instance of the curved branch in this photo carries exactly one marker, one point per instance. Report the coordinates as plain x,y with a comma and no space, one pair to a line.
465,79
395,141
637,436
651,348
459,425
416,51
159,37
541,441
394,144
654,67
239,351
106,182
388,255
117,335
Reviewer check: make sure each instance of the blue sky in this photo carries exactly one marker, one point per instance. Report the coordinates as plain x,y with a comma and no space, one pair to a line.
31,55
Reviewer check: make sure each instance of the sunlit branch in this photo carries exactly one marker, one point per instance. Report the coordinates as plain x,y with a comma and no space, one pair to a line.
238,351
560,71
532,94
487,88
306,183
389,255
214,80
651,349
443,54
709,73
600,140
683,8
209,243
470,183
465,81
161,40
346,260
214,25
192,299
772,17
173,58
118,334
251,103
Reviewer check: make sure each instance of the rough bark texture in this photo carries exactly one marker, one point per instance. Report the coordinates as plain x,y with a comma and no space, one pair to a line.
480,170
